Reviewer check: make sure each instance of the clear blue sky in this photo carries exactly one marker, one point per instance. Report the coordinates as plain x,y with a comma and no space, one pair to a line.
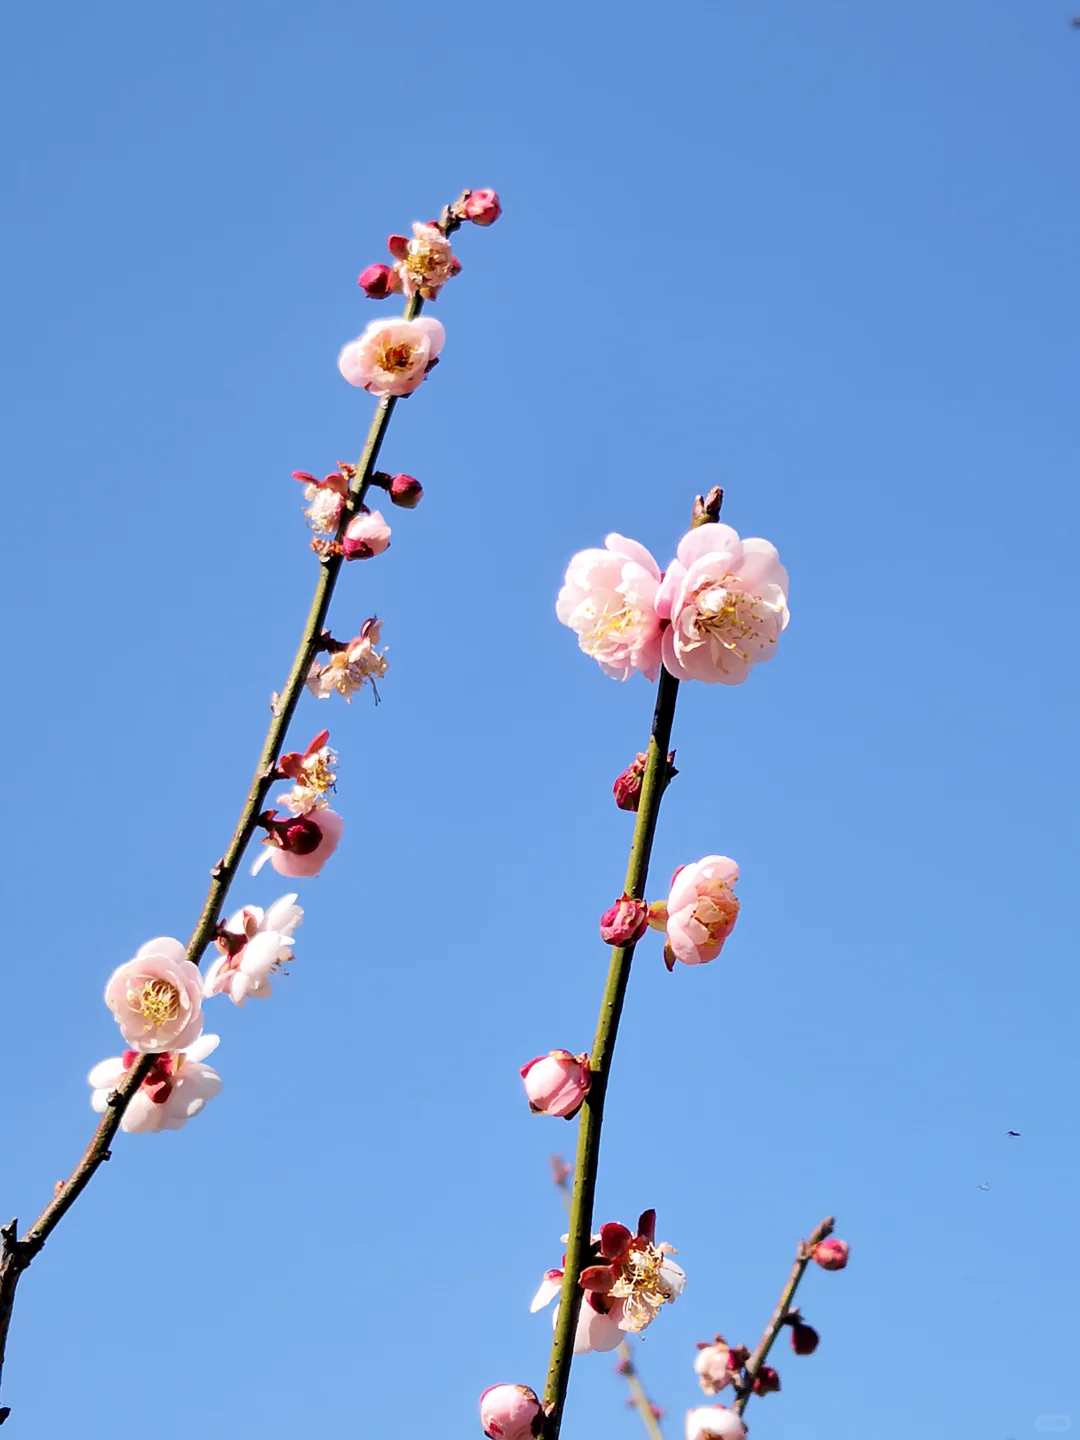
825,255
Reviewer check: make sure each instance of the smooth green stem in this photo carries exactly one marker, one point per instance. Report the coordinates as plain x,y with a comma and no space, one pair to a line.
592,1112
780,1314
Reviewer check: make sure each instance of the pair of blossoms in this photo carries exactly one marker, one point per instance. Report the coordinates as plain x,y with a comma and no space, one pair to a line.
514,1412
392,358
627,1279
367,533
716,612
697,918
157,997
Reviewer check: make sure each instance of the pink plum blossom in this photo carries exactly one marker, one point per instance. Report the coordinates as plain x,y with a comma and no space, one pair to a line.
510,1412
700,911
367,534
714,1422
327,498
313,772
425,263
557,1083
156,999
718,1365
482,207
351,665
177,1087
608,598
726,600
299,846
253,944
393,356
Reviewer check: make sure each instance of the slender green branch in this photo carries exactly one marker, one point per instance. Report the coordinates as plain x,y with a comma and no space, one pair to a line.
16,1253
783,1308
592,1112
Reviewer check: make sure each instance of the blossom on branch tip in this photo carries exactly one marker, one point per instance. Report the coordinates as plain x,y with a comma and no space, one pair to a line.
177,1087
351,665
253,944
379,281
700,911
392,357
714,1422
510,1412
482,207
300,845
367,534
425,263
557,1083
608,599
726,600
832,1254
156,998
624,922
313,772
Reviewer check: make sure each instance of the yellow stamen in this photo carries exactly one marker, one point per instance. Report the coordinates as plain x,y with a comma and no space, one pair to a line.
157,1002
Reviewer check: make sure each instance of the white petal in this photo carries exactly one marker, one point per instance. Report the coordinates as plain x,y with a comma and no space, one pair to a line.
199,1049
549,1288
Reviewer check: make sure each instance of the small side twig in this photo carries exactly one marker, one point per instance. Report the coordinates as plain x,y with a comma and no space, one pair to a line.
779,1316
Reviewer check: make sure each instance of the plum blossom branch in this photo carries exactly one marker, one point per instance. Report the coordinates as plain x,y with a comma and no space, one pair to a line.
779,1317
17,1252
592,1113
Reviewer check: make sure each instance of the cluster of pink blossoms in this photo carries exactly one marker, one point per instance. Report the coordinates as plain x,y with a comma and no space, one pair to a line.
716,612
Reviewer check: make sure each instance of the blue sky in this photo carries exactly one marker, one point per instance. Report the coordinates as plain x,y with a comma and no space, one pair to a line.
823,255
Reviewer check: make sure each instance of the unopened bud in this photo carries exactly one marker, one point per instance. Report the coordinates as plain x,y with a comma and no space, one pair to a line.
804,1338
624,922
627,788
379,281
832,1254
557,1083
714,1422
510,1412
365,535
482,207
766,1381
406,491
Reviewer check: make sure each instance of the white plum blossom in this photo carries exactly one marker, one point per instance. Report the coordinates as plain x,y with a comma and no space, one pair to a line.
177,1087
254,943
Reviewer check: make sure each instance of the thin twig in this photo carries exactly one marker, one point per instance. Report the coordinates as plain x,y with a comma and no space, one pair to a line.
783,1309
16,1254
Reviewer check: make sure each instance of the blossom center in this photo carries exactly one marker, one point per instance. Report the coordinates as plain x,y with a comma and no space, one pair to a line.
717,913
608,629
157,1002
395,357
727,615
642,1285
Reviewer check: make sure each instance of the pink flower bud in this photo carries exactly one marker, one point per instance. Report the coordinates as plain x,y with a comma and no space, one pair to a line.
482,207
832,1254
365,535
766,1381
406,491
624,922
804,1338
714,1422
379,281
627,788
510,1412
557,1083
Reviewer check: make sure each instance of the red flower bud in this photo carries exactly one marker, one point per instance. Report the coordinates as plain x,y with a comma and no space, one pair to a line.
406,491
624,922
766,1381
482,207
832,1254
378,281
627,788
804,1338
